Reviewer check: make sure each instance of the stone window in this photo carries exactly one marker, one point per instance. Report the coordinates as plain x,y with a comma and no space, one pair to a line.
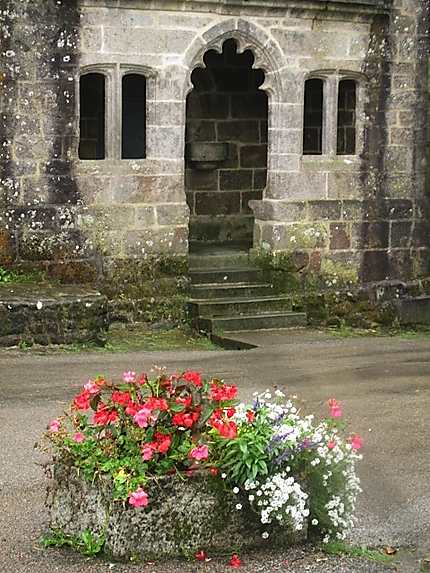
92,116
115,102
133,144
346,117
313,117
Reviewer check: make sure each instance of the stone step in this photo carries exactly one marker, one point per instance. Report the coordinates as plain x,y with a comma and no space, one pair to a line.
261,321
239,290
238,306
223,276
219,261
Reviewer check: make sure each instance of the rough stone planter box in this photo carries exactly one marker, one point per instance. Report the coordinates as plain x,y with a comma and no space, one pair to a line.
183,516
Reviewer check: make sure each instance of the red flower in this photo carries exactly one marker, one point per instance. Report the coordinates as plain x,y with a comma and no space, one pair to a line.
230,412
105,415
235,561
201,555
186,401
143,379
186,419
193,377
250,416
226,429
121,398
163,442
82,400
214,471
132,408
223,392
156,404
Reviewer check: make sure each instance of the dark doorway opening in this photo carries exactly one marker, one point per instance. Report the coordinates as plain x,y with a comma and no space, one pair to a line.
226,151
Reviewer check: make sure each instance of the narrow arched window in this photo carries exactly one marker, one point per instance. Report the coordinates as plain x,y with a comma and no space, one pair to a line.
346,117
92,116
313,117
133,117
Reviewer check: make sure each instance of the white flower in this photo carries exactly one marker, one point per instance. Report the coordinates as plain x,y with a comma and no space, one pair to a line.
314,522
223,476
251,497
39,304
238,506
265,535
235,490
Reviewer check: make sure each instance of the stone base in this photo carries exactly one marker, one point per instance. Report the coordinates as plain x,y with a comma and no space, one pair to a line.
184,515
36,314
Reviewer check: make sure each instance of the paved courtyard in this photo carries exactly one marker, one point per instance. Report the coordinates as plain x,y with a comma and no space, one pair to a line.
383,384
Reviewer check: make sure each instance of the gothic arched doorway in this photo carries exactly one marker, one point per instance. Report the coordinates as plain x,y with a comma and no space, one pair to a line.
226,151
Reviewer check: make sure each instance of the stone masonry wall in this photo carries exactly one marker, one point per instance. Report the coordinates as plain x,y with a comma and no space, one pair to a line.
38,132
366,211
226,106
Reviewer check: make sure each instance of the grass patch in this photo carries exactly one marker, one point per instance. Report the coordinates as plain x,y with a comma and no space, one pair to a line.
345,331
132,338
9,276
341,548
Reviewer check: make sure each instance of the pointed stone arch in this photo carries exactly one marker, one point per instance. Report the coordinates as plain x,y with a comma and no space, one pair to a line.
248,36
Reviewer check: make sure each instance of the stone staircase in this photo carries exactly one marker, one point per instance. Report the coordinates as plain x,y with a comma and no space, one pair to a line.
229,294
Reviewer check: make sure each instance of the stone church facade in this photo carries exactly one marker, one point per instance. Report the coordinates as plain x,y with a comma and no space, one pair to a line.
139,128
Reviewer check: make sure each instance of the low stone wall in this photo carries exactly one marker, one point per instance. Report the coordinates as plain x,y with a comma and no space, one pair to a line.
182,517
51,315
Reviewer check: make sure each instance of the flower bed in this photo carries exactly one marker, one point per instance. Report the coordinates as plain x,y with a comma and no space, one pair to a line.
174,465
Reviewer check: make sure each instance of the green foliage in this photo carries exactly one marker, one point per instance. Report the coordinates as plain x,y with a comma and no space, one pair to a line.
246,457
12,276
342,548
86,543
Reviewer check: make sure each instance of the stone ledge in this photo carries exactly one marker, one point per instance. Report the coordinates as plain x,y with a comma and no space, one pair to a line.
184,515
51,315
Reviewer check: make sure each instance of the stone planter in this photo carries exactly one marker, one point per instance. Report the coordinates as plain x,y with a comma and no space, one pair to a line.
184,515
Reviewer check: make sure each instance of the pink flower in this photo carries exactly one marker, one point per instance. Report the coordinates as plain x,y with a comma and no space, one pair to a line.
141,417
147,451
91,387
200,453
335,408
129,376
78,437
356,442
54,426
138,498
331,444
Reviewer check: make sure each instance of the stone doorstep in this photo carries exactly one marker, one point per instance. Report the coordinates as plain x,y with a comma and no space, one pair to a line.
238,306
239,290
182,517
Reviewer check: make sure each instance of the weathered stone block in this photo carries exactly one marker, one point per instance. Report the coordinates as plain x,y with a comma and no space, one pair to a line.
235,179
201,180
253,156
155,240
200,130
375,266
400,234
182,517
339,236
324,210
207,106
172,214
370,235
247,106
246,131
217,203
147,189
268,210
